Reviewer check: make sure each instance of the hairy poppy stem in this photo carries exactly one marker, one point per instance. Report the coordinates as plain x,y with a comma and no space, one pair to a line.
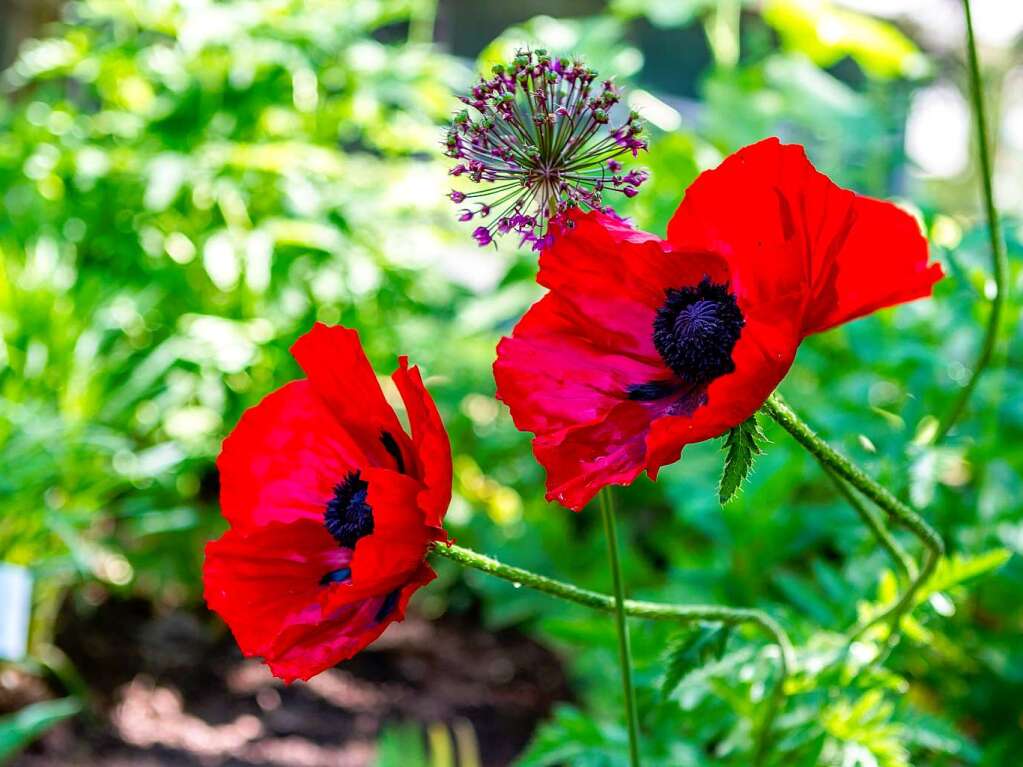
835,462
607,511
648,610
999,260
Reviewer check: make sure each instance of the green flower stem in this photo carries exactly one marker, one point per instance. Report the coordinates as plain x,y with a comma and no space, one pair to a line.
648,610
899,555
422,19
834,461
999,260
607,511
722,27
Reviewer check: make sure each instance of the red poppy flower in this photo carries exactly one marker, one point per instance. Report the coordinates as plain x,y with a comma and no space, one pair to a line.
332,508
644,345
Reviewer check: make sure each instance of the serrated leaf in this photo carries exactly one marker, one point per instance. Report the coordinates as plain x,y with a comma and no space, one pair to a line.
688,651
741,445
866,726
574,737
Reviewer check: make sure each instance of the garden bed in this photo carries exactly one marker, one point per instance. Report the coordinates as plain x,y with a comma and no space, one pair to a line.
172,689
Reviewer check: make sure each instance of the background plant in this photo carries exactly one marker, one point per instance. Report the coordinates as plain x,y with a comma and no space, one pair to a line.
185,187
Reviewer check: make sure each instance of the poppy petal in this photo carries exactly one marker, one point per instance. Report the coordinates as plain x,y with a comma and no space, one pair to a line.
611,451
553,375
284,458
806,247
263,579
866,277
430,442
602,256
301,652
338,370
268,585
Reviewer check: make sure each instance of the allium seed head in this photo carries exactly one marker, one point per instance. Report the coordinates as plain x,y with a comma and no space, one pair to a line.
541,138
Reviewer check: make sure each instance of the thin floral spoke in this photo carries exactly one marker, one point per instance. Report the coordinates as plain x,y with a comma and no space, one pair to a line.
999,260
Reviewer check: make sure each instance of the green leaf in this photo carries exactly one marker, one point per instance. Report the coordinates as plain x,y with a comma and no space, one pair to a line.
401,744
661,14
22,727
867,725
807,598
825,33
957,570
741,445
574,737
688,651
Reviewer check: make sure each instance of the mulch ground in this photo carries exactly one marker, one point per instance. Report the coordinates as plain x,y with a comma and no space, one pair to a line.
172,689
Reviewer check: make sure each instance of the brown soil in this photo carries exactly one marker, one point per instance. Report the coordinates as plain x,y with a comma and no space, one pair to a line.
172,689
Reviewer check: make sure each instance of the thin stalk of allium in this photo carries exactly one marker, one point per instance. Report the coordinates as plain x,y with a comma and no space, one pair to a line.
731,616
899,555
722,29
832,460
607,511
422,19
999,260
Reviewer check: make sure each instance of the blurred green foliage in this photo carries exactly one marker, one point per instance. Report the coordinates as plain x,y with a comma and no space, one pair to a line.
19,729
186,187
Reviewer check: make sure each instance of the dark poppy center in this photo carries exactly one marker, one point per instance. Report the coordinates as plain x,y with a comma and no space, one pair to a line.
348,517
696,329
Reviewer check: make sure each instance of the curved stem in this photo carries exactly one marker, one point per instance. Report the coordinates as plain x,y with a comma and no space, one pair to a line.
899,555
422,18
722,28
999,260
639,609
607,511
834,461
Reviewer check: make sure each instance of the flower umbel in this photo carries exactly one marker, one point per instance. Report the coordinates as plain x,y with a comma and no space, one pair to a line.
541,142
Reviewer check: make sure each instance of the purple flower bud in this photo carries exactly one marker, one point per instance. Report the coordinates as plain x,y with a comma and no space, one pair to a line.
539,243
482,236
466,215
630,191
456,196
636,177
